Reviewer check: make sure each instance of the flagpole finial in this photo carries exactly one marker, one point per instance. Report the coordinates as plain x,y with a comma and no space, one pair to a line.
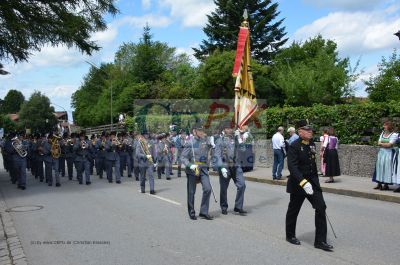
245,14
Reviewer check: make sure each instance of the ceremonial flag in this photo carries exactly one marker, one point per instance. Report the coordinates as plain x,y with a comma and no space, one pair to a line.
245,94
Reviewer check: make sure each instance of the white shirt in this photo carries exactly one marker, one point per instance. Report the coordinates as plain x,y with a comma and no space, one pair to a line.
278,141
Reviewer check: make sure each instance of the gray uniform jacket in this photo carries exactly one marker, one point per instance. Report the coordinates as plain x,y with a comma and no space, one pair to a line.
200,148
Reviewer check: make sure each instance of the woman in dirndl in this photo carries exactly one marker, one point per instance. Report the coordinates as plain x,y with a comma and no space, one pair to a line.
331,157
396,165
384,162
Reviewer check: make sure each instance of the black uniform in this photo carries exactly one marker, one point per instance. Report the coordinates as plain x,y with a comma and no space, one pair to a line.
302,166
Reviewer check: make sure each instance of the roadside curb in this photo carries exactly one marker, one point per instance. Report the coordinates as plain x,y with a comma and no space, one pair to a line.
345,192
11,251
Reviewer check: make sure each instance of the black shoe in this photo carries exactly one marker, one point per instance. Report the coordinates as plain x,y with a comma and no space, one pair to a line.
80,182
49,184
324,246
179,176
22,187
137,179
171,173
41,180
240,211
168,178
70,178
152,192
224,211
142,191
159,177
58,185
129,176
100,177
118,182
293,240
110,181
193,217
385,187
206,216
397,190
88,182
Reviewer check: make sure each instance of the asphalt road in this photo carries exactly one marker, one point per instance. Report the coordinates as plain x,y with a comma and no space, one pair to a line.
135,228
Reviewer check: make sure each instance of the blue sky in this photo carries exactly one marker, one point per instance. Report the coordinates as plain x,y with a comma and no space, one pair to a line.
362,28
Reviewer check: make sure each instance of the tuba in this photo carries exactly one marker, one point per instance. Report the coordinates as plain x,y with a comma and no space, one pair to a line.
19,147
55,147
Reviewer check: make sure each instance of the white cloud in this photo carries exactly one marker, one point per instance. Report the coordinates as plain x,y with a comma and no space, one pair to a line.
146,4
192,12
346,4
153,20
355,32
105,37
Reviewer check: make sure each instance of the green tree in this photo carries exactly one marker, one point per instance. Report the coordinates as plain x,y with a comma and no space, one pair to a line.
37,114
267,32
26,26
12,102
385,86
6,123
312,72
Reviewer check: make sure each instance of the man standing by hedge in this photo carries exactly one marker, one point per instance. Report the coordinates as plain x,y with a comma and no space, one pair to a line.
278,144
304,183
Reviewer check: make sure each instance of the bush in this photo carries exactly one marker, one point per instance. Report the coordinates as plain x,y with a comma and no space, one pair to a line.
354,123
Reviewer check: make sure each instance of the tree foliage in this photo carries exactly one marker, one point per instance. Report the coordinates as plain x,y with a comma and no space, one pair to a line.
26,26
312,72
267,33
148,69
386,85
12,102
37,114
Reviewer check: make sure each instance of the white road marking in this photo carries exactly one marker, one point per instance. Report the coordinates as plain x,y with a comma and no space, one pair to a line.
164,199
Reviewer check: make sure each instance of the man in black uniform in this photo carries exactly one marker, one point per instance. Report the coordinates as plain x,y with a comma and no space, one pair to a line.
304,183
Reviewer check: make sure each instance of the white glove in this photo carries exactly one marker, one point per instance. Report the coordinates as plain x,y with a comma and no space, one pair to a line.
148,156
308,188
237,133
193,167
155,165
245,136
224,172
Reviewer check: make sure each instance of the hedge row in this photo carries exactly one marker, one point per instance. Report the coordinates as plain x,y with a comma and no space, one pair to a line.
354,123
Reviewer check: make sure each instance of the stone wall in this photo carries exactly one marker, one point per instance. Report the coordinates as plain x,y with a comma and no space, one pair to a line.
355,160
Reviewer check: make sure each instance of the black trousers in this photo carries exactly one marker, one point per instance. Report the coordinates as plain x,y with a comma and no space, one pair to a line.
61,166
70,167
318,203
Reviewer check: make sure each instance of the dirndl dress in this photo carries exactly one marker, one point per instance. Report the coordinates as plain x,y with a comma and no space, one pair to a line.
384,163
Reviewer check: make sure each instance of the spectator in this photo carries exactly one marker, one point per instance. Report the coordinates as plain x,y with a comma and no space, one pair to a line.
321,149
293,135
384,164
331,158
278,144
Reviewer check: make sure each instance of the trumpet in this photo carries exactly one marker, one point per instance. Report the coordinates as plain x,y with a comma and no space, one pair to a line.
19,147
84,145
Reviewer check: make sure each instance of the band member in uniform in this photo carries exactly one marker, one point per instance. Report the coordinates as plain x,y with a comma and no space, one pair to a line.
50,161
101,154
82,149
93,153
70,154
63,146
163,155
123,152
112,158
195,161
302,184
226,153
145,158
40,156
18,152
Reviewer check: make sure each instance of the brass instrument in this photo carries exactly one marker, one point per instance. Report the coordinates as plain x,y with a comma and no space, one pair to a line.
145,148
69,141
84,144
55,147
19,147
